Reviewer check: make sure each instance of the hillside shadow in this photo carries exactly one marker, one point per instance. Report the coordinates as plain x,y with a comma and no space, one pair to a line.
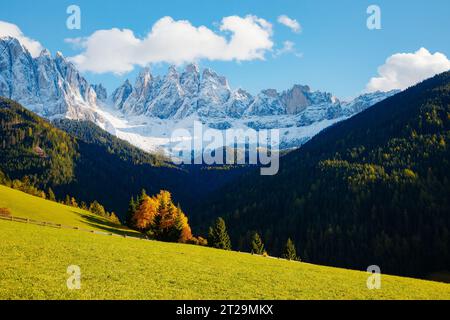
107,226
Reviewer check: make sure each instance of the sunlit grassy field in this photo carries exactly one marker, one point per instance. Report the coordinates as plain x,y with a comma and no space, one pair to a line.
34,261
25,206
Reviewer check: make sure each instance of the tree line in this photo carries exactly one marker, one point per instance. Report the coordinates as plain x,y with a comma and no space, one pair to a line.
160,219
219,238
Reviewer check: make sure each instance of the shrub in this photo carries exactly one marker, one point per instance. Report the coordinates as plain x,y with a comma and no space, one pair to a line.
199,241
5,212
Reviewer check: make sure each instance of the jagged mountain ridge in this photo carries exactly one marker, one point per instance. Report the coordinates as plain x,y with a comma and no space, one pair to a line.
49,86
178,95
145,113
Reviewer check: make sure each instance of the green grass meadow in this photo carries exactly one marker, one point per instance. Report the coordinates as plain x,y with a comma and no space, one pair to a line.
34,261
23,205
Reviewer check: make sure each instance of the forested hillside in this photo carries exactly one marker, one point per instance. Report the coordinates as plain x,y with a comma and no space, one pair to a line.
30,146
88,132
374,189
86,162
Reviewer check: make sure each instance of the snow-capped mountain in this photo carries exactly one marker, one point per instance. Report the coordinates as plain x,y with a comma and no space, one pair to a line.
147,112
209,96
49,86
100,91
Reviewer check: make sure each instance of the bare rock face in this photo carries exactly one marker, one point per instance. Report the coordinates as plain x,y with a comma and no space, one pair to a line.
100,91
51,87
121,94
296,99
238,103
266,103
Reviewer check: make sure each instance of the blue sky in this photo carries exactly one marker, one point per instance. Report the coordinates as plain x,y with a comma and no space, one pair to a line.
337,51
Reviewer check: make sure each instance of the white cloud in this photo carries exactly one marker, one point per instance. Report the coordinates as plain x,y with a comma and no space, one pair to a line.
11,30
403,70
176,42
288,47
292,24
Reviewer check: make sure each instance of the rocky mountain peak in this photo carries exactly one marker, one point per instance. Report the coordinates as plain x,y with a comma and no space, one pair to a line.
192,68
172,72
51,87
144,77
100,91
121,94
270,93
45,54
211,76
296,99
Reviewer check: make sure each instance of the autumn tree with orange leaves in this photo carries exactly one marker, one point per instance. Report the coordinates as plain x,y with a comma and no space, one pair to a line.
160,219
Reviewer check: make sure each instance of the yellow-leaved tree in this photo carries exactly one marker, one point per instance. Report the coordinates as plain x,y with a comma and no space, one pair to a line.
160,219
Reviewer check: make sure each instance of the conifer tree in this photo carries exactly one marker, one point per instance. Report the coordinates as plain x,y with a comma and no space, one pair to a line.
67,201
141,197
130,212
145,213
289,252
218,236
97,208
175,232
257,244
114,219
83,206
51,195
73,202
159,218
181,226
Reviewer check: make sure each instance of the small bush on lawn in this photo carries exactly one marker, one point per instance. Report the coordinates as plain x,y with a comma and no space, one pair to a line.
5,212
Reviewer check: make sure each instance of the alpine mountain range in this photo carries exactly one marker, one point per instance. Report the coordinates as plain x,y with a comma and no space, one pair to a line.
147,112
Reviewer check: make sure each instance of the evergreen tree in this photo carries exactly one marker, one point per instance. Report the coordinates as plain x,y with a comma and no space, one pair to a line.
141,197
132,207
97,208
289,252
83,206
257,244
67,201
175,232
73,202
114,219
218,236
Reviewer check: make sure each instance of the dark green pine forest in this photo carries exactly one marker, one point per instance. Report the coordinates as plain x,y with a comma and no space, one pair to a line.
372,190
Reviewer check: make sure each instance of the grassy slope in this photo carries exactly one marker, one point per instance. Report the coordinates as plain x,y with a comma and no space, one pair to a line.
34,260
25,206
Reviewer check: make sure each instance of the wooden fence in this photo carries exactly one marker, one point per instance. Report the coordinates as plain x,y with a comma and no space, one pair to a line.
62,226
